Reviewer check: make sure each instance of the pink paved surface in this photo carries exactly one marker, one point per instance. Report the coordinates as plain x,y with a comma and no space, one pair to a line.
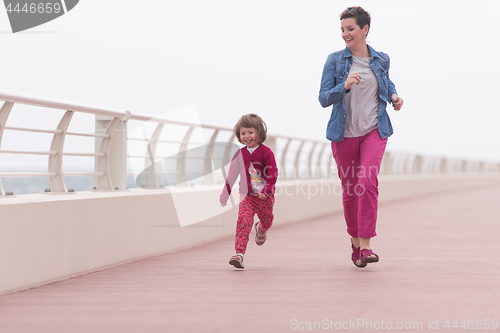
438,262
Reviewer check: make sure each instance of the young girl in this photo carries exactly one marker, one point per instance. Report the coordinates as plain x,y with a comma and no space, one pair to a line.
256,166
356,84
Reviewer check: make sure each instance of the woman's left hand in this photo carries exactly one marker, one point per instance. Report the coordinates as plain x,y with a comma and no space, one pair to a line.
397,102
262,196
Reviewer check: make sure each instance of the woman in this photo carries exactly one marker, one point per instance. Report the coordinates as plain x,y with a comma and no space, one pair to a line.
356,82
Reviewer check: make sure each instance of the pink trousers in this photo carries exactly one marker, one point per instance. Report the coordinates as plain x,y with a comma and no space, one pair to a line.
358,162
250,206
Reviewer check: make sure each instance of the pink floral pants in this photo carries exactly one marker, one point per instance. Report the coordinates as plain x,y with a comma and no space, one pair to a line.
250,206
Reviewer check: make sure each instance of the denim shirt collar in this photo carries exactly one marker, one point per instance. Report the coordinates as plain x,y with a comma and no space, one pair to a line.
373,53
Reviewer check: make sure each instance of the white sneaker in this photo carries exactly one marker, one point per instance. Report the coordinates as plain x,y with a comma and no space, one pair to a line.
237,260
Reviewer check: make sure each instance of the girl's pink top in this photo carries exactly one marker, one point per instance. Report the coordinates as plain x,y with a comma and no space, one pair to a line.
262,160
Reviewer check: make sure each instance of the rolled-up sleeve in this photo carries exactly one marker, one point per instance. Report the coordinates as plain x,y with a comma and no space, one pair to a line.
391,88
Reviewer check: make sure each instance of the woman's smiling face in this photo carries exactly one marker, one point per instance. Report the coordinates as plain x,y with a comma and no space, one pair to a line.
352,34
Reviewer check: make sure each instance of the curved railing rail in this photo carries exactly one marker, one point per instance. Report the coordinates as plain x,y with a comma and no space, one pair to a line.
115,148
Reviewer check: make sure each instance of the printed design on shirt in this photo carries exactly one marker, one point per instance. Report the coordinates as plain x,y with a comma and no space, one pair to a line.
256,179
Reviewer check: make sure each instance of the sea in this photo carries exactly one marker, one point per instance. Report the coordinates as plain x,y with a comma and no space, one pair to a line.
34,185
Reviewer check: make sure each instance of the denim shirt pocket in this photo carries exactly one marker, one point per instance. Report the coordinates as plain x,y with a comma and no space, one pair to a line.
385,76
339,77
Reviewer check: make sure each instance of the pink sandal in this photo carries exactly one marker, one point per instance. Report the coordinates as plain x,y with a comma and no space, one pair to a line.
367,256
355,256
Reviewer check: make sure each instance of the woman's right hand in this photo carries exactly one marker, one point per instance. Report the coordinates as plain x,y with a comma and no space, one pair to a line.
351,79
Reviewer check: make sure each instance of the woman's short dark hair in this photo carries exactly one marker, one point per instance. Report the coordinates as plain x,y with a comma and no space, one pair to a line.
361,16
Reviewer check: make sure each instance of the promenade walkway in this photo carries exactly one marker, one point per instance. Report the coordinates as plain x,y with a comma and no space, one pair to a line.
439,265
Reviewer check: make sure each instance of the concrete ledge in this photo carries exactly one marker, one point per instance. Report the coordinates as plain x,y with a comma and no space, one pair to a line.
48,237
406,186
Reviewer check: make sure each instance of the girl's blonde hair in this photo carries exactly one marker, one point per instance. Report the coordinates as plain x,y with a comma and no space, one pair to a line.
251,120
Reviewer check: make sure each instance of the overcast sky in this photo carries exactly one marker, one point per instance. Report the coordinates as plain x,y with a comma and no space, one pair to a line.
229,58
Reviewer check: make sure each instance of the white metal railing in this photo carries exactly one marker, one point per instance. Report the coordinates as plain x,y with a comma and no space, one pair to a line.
297,158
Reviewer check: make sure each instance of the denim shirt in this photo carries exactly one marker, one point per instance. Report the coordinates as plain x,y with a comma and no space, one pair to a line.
332,91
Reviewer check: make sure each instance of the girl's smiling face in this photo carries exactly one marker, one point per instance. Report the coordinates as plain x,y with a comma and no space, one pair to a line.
352,34
248,135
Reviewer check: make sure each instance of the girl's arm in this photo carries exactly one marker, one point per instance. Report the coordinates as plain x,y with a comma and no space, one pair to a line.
234,171
270,173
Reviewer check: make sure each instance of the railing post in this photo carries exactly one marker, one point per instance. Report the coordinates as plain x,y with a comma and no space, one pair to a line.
463,166
283,158
114,147
406,163
436,162
4,115
150,162
57,183
318,165
443,165
331,161
309,162
387,163
418,164
181,162
207,165
297,159
227,157
271,143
